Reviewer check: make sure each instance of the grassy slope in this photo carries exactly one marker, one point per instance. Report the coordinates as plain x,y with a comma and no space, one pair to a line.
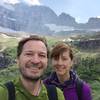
8,41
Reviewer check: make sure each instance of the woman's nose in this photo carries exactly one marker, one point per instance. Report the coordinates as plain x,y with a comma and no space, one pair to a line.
59,61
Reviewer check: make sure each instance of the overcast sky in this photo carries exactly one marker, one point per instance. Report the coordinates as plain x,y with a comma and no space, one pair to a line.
82,10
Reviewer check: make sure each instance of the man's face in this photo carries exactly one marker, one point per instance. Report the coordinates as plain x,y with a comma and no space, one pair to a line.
33,59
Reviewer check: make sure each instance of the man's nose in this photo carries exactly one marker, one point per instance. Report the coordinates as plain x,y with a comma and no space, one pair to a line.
35,59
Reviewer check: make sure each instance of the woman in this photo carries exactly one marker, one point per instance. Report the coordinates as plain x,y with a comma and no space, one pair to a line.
63,76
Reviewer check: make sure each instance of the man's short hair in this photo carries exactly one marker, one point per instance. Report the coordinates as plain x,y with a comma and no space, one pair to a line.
32,37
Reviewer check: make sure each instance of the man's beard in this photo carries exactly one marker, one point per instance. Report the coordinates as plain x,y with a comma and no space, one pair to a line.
30,78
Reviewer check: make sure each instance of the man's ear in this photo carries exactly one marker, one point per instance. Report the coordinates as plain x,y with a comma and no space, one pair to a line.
17,61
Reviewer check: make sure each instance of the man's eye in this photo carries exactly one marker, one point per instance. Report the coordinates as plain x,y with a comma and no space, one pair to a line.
28,54
42,55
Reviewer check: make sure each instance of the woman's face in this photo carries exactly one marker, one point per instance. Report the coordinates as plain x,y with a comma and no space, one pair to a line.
62,65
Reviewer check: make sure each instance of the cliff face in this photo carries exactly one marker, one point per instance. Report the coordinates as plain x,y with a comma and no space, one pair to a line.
27,18
4,61
89,44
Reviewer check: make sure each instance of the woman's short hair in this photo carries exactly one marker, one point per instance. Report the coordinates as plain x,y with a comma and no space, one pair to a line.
59,48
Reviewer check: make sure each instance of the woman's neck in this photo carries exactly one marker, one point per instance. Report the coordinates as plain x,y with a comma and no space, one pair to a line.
63,78
33,87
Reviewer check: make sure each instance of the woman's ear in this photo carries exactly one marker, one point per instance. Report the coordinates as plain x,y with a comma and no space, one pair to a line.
72,62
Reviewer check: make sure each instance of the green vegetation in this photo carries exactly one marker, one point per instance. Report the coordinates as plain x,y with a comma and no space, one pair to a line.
9,73
87,64
95,90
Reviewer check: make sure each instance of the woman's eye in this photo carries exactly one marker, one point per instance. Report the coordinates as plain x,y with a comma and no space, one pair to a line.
65,58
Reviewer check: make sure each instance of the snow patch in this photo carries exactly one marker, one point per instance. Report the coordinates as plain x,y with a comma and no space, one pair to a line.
7,6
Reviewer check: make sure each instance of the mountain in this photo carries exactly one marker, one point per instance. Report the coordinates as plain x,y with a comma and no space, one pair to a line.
94,23
41,20
66,20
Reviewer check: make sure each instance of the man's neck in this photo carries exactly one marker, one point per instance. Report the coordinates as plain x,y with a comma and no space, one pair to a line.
33,87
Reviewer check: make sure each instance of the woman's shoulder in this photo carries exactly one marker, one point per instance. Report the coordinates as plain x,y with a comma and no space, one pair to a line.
87,92
47,80
86,87
52,77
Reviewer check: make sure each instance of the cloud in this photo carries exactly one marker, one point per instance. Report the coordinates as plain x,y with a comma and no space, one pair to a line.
29,2
32,2
98,16
11,1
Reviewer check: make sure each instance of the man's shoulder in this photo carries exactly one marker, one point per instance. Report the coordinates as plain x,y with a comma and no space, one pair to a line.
57,91
3,92
2,87
60,94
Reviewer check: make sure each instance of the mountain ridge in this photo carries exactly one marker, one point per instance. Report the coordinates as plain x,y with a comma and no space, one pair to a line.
34,19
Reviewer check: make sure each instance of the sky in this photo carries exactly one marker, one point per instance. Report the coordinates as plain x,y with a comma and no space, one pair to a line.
81,10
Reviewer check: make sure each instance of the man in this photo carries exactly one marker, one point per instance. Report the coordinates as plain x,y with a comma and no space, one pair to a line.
32,58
